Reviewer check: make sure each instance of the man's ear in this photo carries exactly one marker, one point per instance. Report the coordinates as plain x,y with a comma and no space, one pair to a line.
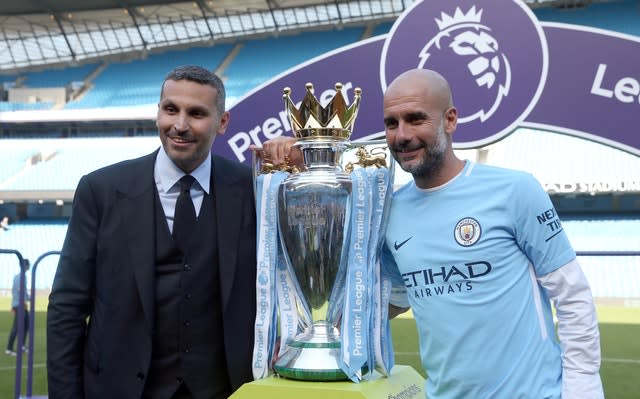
451,119
224,123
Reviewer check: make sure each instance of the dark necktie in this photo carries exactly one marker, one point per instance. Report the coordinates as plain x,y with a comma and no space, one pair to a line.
184,219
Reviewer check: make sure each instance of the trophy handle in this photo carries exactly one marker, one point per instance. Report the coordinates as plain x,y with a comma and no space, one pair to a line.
368,153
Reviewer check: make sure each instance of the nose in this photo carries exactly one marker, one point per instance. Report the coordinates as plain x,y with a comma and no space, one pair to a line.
181,123
402,132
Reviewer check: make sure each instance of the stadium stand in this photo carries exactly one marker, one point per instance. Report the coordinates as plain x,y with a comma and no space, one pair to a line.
610,235
35,237
136,82
566,160
13,160
54,164
19,106
381,29
59,164
249,69
620,16
32,238
57,77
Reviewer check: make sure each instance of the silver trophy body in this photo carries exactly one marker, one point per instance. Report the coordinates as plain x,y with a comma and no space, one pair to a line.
313,214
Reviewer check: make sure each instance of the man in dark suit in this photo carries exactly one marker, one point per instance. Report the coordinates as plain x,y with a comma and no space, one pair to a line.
135,312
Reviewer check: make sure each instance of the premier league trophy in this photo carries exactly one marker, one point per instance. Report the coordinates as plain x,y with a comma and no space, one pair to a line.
313,220
322,300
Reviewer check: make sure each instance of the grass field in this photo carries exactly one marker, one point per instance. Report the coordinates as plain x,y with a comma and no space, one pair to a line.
619,329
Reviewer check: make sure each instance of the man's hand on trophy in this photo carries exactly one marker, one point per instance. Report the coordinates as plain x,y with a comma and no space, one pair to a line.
281,150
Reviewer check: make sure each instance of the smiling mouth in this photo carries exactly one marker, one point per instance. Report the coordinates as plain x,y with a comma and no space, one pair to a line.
180,140
407,151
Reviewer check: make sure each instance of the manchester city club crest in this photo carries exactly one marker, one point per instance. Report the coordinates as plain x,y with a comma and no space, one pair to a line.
467,232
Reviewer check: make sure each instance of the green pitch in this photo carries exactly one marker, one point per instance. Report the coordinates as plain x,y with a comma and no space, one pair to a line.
619,330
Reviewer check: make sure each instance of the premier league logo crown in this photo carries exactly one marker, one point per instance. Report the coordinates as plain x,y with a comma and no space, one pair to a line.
313,121
446,21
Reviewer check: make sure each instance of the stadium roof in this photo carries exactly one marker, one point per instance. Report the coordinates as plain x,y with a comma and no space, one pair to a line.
42,33
66,6
46,32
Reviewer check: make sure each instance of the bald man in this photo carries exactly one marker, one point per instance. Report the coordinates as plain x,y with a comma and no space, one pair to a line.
481,254
478,253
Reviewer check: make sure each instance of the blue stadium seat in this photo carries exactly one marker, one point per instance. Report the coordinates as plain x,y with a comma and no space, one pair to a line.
260,60
382,29
14,159
32,239
13,106
138,82
58,77
609,276
73,158
620,16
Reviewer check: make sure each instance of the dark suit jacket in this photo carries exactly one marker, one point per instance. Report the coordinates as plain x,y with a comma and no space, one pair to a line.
101,309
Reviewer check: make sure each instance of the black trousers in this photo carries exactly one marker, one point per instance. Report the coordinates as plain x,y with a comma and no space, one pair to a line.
14,329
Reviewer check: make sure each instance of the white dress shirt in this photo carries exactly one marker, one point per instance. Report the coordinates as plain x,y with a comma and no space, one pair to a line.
166,175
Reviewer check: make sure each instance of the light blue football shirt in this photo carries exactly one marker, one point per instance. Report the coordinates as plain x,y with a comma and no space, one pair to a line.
468,253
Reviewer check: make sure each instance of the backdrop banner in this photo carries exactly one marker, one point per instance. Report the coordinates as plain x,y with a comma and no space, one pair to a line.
506,69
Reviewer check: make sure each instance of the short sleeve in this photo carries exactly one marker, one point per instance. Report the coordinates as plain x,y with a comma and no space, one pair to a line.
538,228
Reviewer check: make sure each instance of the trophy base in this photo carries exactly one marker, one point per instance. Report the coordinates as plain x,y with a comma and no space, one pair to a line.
311,361
403,382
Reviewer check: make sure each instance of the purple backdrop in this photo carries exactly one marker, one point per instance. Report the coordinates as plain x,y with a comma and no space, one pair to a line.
506,70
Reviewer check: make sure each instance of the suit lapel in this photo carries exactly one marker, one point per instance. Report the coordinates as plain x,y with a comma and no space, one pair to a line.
228,197
136,200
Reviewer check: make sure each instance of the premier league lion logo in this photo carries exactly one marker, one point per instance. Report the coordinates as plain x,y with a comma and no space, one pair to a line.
463,36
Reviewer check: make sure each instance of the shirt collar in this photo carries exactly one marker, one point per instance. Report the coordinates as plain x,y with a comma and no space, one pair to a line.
168,173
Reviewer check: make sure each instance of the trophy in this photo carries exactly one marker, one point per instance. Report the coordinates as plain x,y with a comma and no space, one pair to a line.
320,228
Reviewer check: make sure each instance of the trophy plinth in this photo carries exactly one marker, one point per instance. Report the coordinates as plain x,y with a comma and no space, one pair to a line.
403,382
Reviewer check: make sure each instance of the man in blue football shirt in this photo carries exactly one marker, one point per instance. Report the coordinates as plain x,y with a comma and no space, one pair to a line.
481,253
478,253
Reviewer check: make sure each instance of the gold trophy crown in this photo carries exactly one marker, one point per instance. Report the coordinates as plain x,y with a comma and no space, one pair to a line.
313,121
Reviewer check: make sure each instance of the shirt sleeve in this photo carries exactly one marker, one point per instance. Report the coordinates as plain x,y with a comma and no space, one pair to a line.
537,227
578,331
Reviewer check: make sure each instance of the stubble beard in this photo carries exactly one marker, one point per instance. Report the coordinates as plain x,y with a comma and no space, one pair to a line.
432,160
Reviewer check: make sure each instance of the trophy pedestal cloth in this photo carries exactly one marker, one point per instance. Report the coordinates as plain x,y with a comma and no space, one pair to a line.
403,382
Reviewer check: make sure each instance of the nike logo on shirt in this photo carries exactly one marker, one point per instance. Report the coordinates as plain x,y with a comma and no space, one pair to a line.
397,245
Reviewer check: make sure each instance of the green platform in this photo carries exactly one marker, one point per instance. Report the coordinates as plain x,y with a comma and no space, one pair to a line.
403,383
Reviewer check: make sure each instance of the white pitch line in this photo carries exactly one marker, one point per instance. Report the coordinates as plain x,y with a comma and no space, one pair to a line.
24,366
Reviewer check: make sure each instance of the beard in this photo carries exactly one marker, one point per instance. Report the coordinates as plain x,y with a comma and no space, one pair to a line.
432,160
